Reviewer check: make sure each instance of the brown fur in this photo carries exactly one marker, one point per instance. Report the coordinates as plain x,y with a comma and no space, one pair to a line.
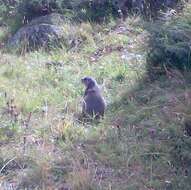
93,102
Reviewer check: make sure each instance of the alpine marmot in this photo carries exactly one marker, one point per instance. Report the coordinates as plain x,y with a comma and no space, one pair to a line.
93,103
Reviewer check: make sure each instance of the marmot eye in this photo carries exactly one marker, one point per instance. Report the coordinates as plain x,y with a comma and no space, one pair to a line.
83,79
86,79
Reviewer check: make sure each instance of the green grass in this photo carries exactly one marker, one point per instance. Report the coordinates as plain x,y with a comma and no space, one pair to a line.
3,33
129,150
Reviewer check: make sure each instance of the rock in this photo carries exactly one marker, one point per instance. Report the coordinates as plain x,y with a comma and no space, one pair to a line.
45,31
53,19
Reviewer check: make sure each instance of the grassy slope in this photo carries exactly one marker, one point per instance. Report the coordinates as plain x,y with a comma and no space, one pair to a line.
51,150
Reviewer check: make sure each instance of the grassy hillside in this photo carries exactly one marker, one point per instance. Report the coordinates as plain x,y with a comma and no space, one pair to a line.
140,145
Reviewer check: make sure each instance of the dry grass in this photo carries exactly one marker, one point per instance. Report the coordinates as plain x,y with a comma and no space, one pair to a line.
43,146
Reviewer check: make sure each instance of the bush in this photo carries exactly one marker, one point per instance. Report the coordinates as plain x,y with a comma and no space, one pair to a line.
35,8
23,11
93,10
170,45
77,9
16,13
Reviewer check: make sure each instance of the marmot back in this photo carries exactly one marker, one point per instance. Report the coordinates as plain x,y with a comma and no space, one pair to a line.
93,104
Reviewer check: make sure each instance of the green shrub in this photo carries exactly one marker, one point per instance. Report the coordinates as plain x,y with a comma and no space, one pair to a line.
23,11
19,12
151,8
170,45
80,10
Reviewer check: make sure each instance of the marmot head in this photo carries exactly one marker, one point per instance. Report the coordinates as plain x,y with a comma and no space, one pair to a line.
89,82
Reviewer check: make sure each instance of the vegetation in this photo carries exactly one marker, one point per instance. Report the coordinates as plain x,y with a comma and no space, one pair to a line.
19,12
144,140
170,44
